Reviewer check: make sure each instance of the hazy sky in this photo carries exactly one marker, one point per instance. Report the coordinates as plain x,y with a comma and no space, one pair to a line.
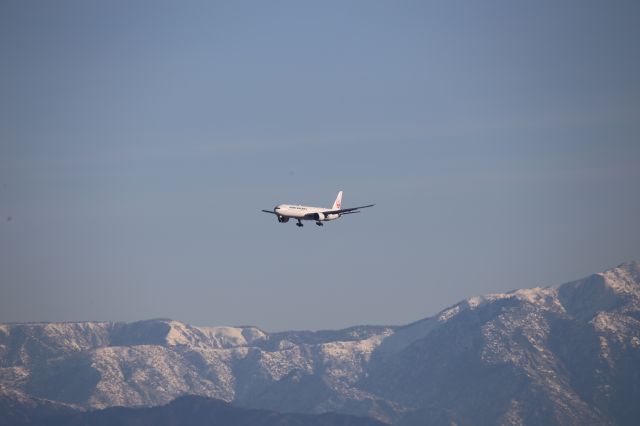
139,141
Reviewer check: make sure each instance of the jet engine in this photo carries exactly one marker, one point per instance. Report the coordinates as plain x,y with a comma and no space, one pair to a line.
319,216
283,219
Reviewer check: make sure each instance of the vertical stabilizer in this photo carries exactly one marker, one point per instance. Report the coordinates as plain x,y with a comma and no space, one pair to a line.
337,204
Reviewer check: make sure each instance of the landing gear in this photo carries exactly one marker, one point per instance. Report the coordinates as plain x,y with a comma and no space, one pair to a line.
299,224
319,223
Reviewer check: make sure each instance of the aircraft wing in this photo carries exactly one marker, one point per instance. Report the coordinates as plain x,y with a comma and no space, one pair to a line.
269,211
347,211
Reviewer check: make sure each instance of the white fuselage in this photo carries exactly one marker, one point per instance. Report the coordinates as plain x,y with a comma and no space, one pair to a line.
303,212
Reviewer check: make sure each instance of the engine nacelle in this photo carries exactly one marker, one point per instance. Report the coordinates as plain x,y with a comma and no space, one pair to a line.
319,216
283,219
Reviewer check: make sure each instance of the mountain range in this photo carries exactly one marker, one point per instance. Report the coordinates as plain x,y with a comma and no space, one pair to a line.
567,354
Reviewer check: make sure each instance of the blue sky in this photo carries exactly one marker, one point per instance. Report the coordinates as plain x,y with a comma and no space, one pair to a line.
139,141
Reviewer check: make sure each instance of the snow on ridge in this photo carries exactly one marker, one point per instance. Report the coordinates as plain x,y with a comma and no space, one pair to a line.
478,301
615,324
338,349
449,313
605,322
535,295
471,303
178,334
62,323
543,297
231,337
346,360
219,337
252,334
624,278
540,296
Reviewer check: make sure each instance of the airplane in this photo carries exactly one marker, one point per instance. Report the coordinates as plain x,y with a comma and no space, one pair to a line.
284,212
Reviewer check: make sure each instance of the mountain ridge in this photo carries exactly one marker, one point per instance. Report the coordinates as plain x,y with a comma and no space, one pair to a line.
520,347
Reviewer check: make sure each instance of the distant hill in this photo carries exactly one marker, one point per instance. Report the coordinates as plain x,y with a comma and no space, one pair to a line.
194,411
567,354
19,409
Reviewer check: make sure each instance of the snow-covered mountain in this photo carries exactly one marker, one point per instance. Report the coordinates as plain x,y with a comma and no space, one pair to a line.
567,354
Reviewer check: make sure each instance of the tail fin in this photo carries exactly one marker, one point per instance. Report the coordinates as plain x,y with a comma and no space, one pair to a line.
337,204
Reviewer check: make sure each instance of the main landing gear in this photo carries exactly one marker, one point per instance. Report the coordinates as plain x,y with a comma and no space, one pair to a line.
300,225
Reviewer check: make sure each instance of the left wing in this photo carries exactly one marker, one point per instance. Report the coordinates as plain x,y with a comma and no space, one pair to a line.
346,211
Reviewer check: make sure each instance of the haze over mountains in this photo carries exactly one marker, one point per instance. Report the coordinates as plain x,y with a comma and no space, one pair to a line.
567,354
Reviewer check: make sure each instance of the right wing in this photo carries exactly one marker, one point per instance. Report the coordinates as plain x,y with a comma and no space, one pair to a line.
270,211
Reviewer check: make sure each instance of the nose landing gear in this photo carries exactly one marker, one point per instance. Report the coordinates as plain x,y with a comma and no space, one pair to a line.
299,224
